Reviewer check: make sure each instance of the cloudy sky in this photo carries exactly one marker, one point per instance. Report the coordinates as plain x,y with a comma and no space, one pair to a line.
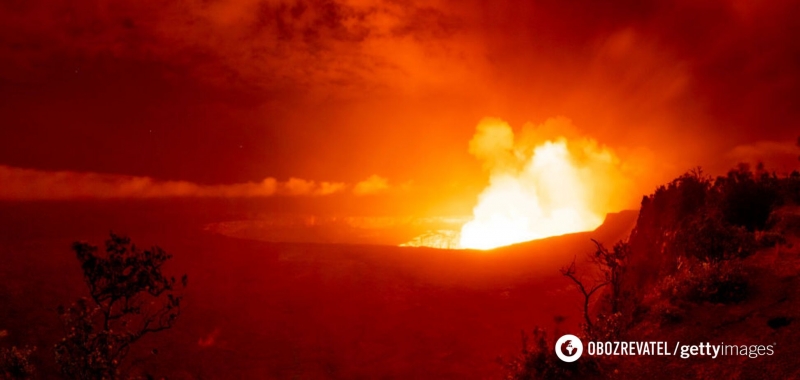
249,97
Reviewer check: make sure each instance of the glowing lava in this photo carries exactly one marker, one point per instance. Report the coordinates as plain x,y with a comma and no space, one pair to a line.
540,186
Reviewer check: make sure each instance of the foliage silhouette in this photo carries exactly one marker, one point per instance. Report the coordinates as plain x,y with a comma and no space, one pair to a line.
15,363
688,248
130,298
539,361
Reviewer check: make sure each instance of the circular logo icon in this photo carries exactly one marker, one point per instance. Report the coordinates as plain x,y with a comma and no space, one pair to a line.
569,348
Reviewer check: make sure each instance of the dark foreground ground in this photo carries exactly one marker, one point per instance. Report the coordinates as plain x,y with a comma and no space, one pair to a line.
258,310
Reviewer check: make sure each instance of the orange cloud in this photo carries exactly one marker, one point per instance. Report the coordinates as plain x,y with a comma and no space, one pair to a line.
372,185
29,184
298,186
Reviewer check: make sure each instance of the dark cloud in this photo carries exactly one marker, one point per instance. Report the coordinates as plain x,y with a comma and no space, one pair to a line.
235,91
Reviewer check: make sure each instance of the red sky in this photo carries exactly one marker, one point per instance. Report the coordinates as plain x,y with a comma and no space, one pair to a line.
227,93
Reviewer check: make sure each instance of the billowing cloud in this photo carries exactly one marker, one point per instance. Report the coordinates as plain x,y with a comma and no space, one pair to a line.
548,181
324,45
28,184
372,185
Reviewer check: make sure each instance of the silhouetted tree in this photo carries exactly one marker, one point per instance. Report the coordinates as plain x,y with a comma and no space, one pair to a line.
612,265
130,298
587,291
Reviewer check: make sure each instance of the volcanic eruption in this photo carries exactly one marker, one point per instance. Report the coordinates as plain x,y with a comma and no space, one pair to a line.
548,180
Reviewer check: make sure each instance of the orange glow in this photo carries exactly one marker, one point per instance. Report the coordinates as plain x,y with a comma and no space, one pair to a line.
555,187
